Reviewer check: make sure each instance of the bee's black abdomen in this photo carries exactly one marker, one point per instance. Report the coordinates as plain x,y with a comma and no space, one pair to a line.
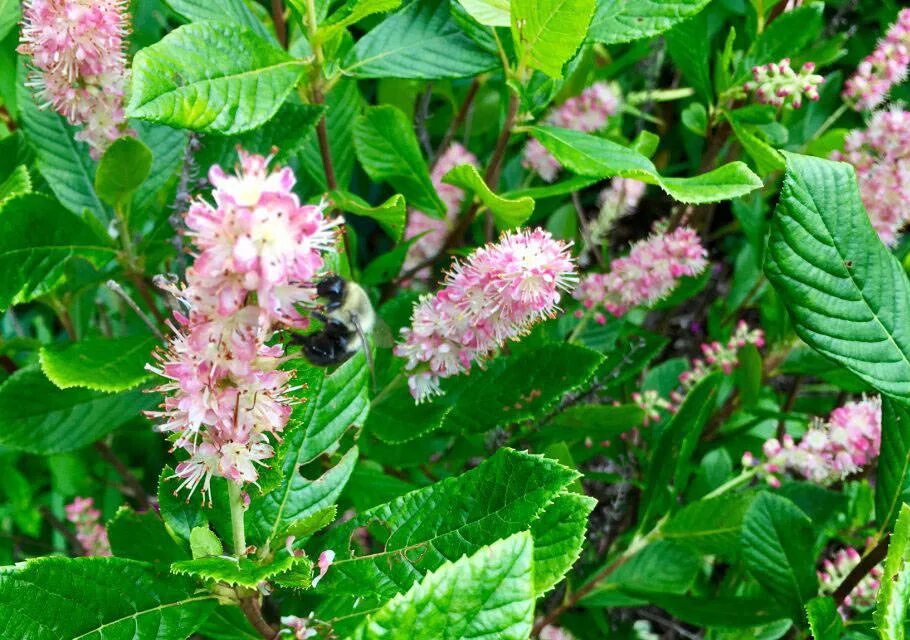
323,348
332,289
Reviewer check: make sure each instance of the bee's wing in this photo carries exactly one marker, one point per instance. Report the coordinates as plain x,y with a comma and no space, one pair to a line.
382,334
367,351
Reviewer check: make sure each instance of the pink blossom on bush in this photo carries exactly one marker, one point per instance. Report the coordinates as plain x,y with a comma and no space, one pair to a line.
828,451
776,83
882,69
587,112
880,154
89,531
77,50
717,356
835,570
435,230
299,628
258,251
651,271
493,296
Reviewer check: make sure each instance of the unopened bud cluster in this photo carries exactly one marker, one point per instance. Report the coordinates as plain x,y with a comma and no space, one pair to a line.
776,83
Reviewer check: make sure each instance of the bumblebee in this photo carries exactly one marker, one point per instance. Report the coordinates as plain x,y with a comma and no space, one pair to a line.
347,317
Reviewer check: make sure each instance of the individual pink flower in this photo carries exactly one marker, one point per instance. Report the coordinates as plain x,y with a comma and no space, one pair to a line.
433,231
299,628
551,632
587,112
880,154
258,252
837,568
650,272
650,402
77,51
882,69
777,84
828,451
495,295
89,531
325,560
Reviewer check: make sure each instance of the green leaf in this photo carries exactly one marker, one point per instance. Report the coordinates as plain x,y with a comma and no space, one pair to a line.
98,599
178,514
243,571
824,619
16,183
777,540
305,527
40,418
421,41
589,155
570,185
690,49
766,157
343,104
142,536
661,567
676,443
719,611
595,421
204,543
233,11
37,237
391,215
507,213
488,595
422,529
334,403
64,163
388,150
490,13
351,12
892,480
228,623
168,147
848,296
894,593
547,33
559,533
621,21
211,77
101,364
122,169
711,526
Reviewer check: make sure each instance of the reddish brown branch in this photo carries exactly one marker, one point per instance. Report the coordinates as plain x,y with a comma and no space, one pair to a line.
253,611
459,118
60,527
281,27
865,565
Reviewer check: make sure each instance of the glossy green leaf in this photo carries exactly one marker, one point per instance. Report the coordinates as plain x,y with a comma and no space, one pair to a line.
142,536
334,403
204,543
37,237
122,169
507,213
62,420
211,77
589,155
180,514
847,295
491,13
421,530
351,12
824,619
343,105
547,33
388,150
559,533
487,596
168,147
711,526
243,571
892,480
98,599
421,41
233,11
621,21
777,543
894,594
391,215
101,364
16,183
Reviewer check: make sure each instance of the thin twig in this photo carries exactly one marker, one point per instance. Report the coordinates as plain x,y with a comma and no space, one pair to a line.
60,526
281,27
146,295
123,471
459,118
865,565
421,114
322,134
114,286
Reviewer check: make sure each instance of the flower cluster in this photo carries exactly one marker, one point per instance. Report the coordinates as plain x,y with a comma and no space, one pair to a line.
650,402
258,251
297,627
776,83
77,49
433,231
493,296
828,451
833,572
717,356
881,156
882,69
615,201
587,112
90,532
650,271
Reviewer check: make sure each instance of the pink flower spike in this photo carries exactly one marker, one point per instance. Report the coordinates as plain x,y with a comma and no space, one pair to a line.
882,69
89,531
